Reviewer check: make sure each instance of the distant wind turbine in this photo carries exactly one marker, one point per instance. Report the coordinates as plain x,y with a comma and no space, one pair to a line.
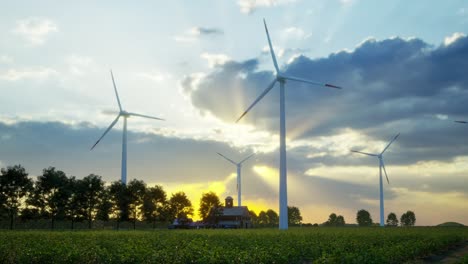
282,78
125,115
381,166
239,167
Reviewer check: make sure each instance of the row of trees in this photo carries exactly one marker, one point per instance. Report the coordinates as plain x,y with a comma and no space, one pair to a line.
54,196
363,218
271,218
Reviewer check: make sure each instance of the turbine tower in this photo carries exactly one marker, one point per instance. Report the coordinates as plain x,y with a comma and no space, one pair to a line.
125,115
381,166
281,78
239,167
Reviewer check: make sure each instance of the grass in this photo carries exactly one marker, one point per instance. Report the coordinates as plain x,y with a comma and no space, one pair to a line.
297,245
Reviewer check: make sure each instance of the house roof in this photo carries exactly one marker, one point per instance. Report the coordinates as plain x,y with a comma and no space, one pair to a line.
236,210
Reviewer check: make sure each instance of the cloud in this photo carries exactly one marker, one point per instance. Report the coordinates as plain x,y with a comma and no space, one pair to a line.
5,59
79,65
215,59
35,30
207,31
451,39
155,75
392,85
294,32
249,6
196,33
462,11
347,2
40,73
289,53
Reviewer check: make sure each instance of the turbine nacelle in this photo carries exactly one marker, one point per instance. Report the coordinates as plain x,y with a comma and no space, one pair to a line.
124,113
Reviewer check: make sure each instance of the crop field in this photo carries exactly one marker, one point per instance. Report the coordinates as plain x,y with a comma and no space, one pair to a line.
297,245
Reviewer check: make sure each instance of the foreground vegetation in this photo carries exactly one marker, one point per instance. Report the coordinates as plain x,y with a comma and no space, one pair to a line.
297,245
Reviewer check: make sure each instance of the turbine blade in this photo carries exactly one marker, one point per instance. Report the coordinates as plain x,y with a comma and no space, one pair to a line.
228,159
383,166
273,56
462,122
292,78
246,158
146,116
258,99
107,130
365,153
390,143
116,93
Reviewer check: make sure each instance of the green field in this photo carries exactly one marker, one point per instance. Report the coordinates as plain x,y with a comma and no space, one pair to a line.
297,245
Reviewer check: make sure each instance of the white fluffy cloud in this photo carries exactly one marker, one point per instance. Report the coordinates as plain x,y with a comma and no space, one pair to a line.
5,59
35,30
249,6
36,74
78,65
155,75
215,59
451,39
294,32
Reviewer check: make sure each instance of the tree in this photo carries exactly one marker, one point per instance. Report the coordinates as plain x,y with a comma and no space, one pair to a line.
294,216
105,206
334,220
74,208
153,204
408,219
273,218
253,217
51,194
90,193
120,202
14,186
392,219
262,218
180,206
136,190
208,200
340,221
363,218
331,220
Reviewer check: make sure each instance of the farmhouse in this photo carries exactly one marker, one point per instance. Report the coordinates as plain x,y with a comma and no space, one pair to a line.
229,216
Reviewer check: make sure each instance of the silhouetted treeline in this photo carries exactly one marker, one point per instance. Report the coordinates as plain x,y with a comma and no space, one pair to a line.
55,197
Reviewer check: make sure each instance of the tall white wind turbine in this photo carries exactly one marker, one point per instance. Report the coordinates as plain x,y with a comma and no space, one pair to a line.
282,78
381,166
125,115
239,167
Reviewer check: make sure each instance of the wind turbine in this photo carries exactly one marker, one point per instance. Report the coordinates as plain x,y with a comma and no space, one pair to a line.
381,166
282,78
239,166
125,115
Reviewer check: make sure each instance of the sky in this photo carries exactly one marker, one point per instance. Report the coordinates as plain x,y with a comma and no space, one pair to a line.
200,64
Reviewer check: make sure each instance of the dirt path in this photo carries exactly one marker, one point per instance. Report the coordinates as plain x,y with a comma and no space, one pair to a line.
455,254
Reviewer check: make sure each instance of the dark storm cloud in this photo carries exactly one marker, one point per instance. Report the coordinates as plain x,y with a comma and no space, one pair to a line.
394,85
37,145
